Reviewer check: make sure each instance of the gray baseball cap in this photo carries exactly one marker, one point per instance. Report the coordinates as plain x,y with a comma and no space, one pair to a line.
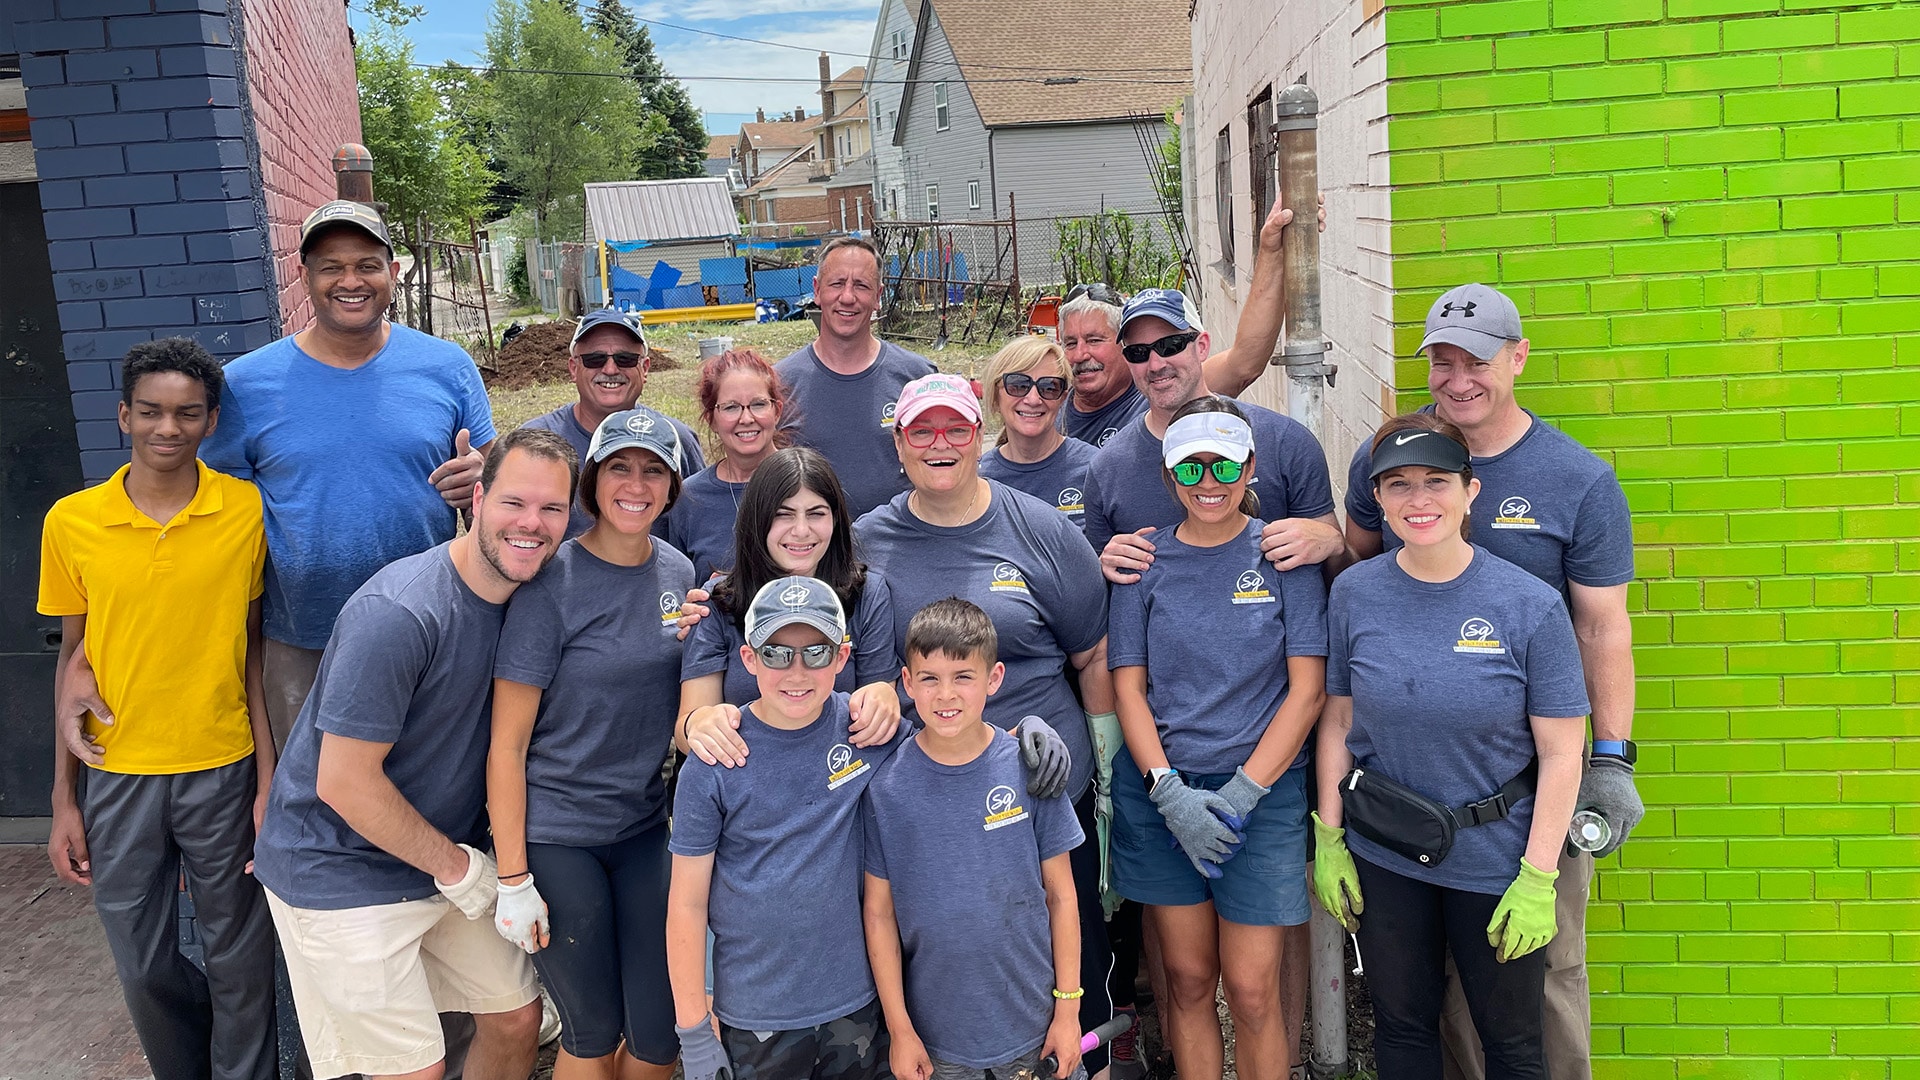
625,320
641,427
788,600
1476,317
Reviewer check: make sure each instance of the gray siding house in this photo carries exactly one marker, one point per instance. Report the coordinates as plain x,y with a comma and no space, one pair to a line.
886,82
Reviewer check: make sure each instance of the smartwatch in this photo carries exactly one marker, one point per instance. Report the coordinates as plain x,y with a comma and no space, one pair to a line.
1154,776
1618,748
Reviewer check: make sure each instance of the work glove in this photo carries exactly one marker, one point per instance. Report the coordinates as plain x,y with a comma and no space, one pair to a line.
520,915
1046,758
1242,793
1193,817
473,893
1107,741
701,1055
1523,920
1608,788
1336,881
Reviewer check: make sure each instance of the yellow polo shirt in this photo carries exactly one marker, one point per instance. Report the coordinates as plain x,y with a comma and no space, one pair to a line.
166,609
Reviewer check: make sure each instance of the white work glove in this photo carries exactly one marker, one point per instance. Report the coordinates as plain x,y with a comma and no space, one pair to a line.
473,893
520,915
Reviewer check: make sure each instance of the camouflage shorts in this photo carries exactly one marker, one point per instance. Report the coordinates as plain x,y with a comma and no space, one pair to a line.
1024,1067
853,1047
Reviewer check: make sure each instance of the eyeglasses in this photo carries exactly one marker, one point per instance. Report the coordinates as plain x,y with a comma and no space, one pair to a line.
594,361
732,409
1189,472
1166,346
1020,384
780,657
1098,291
957,436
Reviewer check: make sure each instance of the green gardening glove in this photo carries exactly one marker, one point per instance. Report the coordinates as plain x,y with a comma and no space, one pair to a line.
1104,729
1523,921
1336,881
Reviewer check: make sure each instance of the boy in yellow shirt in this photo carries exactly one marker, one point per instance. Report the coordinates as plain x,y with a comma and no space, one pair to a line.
157,574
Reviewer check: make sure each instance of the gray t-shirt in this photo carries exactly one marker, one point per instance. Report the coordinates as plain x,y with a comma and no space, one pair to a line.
1096,427
410,664
1211,625
785,832
1546,504
1026,565
961,847
701,522
597,638
1059,479
714,645
849,418
1443,678
1125,491
563,423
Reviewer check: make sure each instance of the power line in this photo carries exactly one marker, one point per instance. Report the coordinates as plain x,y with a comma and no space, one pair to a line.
629,76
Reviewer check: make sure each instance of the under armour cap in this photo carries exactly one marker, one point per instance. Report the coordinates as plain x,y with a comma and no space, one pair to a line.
1207,433
933,391
344,212
1417,446
625,320
1476,317
788,600
1169,304
641,427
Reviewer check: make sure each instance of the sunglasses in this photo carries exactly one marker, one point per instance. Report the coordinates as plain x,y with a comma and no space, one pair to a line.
1099,292
957,436
1166,346
1189,472
1019,384
594,361
780,657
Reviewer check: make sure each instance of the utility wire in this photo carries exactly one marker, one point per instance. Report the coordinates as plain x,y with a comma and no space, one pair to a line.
1103,80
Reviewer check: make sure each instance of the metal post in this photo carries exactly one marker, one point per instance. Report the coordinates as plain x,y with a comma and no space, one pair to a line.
1303,352
353,173
480,276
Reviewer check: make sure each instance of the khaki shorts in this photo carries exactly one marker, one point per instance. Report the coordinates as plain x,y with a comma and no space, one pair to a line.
369,982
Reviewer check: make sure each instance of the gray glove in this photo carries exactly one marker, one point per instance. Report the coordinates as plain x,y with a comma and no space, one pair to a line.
1193,817
1242,793
701,1055
1046,758
1608,788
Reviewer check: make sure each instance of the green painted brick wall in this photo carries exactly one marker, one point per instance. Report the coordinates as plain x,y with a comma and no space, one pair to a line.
1709,214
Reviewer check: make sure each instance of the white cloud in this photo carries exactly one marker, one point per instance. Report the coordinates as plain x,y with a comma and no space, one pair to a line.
729,10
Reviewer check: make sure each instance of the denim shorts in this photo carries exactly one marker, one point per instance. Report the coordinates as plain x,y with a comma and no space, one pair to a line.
1263,884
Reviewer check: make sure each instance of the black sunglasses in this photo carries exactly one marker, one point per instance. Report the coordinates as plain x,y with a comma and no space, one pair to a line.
1099,292
780,657
594,361
1166,346
1018,384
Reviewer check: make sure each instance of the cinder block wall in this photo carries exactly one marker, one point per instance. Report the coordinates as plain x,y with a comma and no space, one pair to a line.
1709,213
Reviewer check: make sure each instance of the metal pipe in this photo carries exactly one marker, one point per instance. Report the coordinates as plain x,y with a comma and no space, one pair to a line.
353,173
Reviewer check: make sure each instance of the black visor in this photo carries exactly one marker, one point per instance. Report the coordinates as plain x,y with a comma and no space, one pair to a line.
1417,446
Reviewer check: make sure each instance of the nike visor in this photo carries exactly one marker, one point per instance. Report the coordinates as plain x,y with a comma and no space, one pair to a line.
1428,448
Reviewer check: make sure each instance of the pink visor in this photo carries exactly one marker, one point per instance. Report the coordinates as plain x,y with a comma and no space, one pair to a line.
933,391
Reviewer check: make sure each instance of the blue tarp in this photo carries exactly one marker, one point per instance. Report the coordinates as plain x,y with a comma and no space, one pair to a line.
723,271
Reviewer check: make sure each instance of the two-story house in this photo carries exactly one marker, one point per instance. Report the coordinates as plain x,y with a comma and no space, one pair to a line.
844,157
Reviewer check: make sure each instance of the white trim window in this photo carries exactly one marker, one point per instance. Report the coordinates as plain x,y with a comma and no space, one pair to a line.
973,194
941,114
933,202
902,43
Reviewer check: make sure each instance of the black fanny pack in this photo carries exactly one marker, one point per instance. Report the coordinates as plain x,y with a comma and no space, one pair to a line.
1411,825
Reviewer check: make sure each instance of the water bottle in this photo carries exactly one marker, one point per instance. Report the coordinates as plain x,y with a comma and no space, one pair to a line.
1589,831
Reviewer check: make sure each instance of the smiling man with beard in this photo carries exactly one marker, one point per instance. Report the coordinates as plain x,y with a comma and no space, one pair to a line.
370,849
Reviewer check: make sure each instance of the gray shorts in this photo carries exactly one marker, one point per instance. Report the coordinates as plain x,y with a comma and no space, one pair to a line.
1024,1067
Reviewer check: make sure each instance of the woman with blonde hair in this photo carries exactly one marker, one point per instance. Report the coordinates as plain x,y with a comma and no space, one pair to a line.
1026,384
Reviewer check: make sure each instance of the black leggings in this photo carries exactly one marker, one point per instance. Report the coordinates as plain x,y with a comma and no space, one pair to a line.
1404,936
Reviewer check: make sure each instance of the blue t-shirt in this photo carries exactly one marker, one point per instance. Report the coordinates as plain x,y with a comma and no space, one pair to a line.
702,519
785,832
849,418
714,645
961,848
1546,504
1444,677
1096,427
1026,565
341,458
599,640
1125,491
564,423
410,664
1212,625
1059,479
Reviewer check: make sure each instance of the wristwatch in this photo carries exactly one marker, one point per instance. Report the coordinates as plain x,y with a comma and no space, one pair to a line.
1619,748
1154,776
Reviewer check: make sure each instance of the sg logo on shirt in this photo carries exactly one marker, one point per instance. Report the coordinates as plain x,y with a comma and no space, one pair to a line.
1003,808
1477,636
1251,588
886,414
1515,513
1007,578
1071,501
669,611
842,766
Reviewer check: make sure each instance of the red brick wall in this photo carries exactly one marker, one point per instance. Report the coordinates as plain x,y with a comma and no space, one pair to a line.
306,102
855,202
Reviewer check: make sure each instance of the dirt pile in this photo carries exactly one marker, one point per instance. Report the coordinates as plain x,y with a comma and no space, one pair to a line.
538,355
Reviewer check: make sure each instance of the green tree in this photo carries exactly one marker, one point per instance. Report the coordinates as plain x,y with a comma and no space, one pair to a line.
560,122
682,148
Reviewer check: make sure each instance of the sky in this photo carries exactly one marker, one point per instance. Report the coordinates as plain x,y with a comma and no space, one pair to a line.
456,30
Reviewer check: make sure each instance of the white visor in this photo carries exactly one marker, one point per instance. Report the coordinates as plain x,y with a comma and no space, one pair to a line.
1207,433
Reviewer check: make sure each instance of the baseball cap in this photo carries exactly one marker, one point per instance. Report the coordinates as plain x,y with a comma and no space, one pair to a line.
641,427
625,320
1476,317
1207,433
788,600
344,212
1416,446
933,391
1169,304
